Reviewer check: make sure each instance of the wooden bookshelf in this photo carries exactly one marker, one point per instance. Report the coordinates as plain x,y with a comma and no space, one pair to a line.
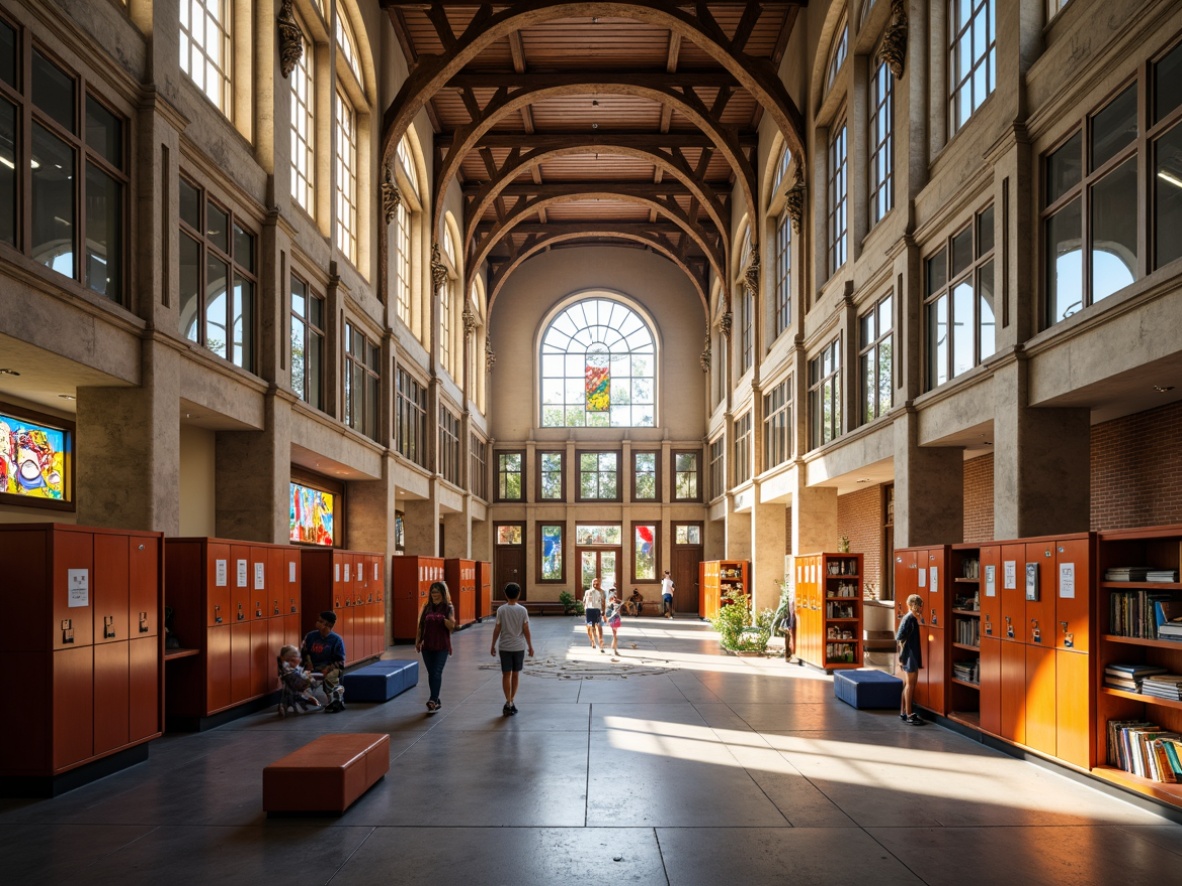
720,581
829,612
1157,547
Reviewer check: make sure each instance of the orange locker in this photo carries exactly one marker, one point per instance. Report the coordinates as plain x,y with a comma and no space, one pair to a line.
410,579
1013,691
990,702
460,576
340,581
1073,718
483,589
1040,699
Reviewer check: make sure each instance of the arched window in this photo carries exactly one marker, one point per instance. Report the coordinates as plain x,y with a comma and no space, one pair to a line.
447,322
598,367
746,299
351,119
408,206
837,54
303,128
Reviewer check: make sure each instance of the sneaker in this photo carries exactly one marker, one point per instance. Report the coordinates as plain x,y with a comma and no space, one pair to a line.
903,717
507,710
914,720
512,709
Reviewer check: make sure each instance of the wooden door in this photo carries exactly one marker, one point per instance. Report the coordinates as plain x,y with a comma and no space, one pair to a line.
1013,592
219,576
990,563
218,686
73,704
109,589
1013,691
239,584
1073,709
1039,627
684,572
990,691
144,587
112,695
1041,690
144,686
509,560
240,668
73,590
930,686
1073,594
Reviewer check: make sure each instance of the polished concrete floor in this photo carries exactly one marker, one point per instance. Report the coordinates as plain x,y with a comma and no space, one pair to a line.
672,764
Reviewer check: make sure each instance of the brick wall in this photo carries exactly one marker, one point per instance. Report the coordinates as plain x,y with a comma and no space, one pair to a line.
1137,470
860,516
978,499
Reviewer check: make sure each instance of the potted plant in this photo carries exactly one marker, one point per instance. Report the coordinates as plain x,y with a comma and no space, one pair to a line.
570,606
736,635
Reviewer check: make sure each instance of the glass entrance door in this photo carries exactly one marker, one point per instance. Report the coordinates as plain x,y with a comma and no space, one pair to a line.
601,563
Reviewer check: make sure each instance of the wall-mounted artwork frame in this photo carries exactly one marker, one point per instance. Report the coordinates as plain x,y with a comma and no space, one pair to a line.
315,511
36,459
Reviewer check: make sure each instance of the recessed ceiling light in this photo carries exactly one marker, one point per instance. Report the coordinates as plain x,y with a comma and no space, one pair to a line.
1161,389
863,480
67,396
9,372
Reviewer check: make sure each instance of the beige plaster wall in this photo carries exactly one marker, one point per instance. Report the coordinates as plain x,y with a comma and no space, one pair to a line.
196,458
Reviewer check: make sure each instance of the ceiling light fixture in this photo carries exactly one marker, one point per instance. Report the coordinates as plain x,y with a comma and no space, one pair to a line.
1168,177
9,372
1162,389
67,397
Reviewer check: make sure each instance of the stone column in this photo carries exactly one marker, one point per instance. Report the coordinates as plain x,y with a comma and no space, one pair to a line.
254,475
769,543
929,488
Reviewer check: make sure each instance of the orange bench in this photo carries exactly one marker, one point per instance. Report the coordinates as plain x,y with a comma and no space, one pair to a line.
328,774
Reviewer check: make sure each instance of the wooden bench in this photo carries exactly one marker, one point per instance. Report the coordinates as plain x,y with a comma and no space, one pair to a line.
535,607
328,774
381,680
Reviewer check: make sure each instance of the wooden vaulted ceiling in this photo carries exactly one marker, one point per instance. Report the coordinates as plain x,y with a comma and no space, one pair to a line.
588,123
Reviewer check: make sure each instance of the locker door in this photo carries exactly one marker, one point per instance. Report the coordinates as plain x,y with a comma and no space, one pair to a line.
262,657
259,582
219,577
991,685
73,704
1013,691
1039,629
1073,708
930,687
240,667
143,587
991,622
1013,594
240,578
109,588
144,684
73,557
218,685
1072,594
1041,689
112,695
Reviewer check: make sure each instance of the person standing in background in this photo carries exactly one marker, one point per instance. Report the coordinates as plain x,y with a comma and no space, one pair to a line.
910,657
667,595
437,620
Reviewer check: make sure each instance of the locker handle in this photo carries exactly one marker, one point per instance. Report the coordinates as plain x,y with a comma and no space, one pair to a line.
241,614
258,610
67,630
1035,632
108,627
276,608
144,623
293,606
217,614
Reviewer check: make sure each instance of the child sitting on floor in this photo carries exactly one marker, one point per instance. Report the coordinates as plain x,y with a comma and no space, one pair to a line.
296,682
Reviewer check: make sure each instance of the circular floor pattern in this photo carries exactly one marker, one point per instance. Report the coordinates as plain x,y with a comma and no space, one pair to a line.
613,668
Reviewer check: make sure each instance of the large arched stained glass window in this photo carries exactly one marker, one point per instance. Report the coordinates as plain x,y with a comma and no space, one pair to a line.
598,368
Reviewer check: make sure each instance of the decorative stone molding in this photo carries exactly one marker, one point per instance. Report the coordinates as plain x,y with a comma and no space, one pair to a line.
469,321
751,276
894,41
794,201
291,41
438,268
725,322
490,356
704,359
391,196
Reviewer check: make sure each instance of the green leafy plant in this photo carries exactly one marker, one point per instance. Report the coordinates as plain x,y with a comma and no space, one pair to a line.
737,633
570,606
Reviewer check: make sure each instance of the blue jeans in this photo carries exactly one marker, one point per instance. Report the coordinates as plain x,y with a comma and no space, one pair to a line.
434,662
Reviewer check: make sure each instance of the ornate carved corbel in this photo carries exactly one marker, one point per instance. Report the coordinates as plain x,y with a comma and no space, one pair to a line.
704,359
490,356
391,196
751,275
725,322
894,41
794,201
291,41
438,268
469,321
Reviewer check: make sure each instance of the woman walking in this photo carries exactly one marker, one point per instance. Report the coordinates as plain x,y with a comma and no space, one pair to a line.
436,622
614,606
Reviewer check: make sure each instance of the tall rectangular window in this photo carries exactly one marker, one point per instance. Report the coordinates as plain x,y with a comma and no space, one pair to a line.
742,448
825,395
837,221
206,49
717,467
876,358
550,547
959,301
449,446
687,475
644,551
346,163
411,434
362,382
972,58
783,272
217,277
510,476
599,476
307,343
551,477
777,424
1165,136
73,182
402,247
478,470
303,96
882,159
746,328
445,300
646,481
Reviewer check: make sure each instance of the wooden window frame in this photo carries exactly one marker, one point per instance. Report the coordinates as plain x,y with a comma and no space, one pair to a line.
541,455
634,475
697,453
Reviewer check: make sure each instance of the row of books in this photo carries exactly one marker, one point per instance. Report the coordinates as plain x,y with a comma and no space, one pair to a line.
1168,686
1129,677
1145,749
968,631
1145,614
968,670
1140,573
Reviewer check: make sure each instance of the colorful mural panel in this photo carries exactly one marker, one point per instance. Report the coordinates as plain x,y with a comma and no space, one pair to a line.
312,515
33,459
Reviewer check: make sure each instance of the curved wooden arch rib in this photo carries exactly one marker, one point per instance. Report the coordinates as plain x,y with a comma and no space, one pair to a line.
432,73
548,240
520,213
512,170
468,137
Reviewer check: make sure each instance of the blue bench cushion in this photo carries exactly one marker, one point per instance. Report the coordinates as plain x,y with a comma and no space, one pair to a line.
380,681
868,689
